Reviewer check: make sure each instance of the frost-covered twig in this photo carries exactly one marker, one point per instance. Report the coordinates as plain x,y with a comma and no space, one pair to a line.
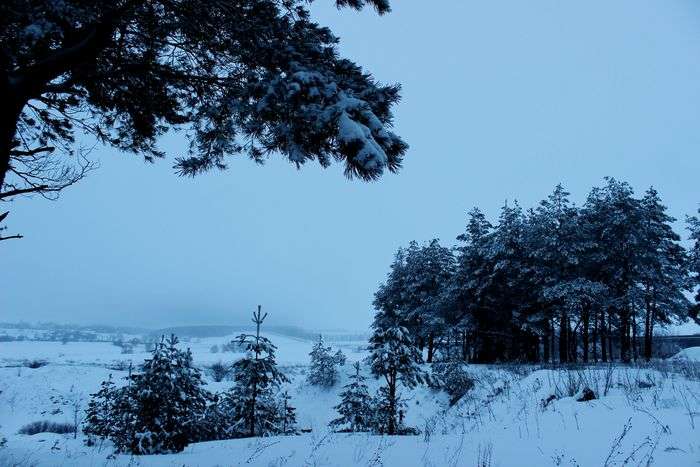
311,458
259,448
614,450
457,455
686,404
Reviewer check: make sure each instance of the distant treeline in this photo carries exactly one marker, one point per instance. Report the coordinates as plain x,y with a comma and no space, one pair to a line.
99,328
201,331
557,282
84,333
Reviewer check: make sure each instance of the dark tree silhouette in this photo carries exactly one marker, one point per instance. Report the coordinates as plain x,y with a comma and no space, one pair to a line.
250,77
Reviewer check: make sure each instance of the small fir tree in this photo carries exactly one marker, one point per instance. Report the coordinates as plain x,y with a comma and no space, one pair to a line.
99,420
159,411
214,422
388,412
395,358
287,415
355,408
322,370
253,410
169,400
339,358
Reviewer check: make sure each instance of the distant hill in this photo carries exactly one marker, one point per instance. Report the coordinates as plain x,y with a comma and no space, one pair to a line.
226,330
103,328
212,330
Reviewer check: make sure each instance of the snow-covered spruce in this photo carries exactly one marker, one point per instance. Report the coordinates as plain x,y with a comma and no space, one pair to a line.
355,407
415,293
159,410
101,414
287,424
339,358
322,370
251,407
394,357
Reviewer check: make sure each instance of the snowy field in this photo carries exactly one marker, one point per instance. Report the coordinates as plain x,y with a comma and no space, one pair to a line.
643,416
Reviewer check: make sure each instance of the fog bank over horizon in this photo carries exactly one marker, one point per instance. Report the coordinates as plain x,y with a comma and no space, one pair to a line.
501,101
184,320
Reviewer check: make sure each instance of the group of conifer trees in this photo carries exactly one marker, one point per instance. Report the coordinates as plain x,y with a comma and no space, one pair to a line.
163,406
558,282
358,411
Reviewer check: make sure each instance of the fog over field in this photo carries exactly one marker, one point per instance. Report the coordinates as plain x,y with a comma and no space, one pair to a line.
500,101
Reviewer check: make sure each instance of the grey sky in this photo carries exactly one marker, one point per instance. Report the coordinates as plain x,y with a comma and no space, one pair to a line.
501,100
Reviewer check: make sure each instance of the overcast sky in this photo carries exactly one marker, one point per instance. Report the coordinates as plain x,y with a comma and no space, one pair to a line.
501,100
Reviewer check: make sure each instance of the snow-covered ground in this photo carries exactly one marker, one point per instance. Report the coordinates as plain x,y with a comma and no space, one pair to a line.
291,351
644,416
691,353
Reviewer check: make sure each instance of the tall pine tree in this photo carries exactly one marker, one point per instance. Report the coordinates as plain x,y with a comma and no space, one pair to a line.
663,269
414,290
554,243
694,264
468,289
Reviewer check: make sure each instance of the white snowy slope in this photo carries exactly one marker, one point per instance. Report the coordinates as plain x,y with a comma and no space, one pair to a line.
691,353
642,416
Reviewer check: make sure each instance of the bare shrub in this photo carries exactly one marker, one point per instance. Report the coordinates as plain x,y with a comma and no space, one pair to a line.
566,382
233,346
119,365
521,370
484,456
219,371
45,426
615,448
453,379
34,364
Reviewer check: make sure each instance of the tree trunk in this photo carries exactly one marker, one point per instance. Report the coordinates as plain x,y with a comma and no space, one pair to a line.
609,339
431,347
564,338
545,342
647,330
595,336
652,319
573,342
551,335
17,90
601,332
391,404
9,115
624,336
586,318
465,346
